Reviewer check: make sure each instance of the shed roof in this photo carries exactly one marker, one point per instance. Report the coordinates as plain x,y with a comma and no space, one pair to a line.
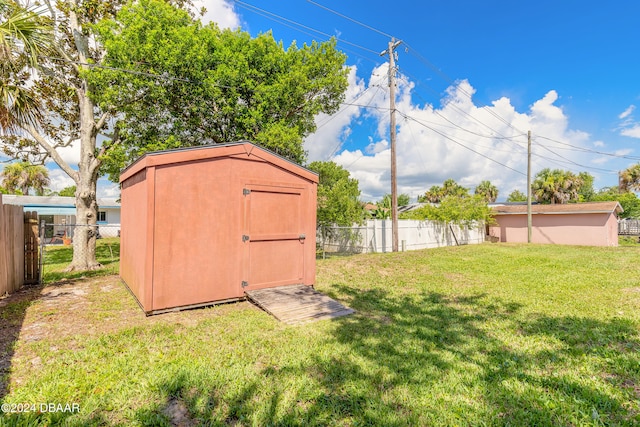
564,209
244,149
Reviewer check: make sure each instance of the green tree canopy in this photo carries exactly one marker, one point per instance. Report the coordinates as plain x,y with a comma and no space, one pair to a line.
487,190
517,196
68,191
454,209
19,178
145,75
338,196
586,193
191,84
403,200
450,187
629,201
556,186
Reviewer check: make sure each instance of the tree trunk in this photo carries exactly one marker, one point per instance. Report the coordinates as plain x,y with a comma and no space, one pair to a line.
84,239
86,230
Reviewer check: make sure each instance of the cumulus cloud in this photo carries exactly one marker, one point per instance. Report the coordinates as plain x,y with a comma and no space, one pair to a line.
333,130
457,139
631,131
219,11
108,189
59,180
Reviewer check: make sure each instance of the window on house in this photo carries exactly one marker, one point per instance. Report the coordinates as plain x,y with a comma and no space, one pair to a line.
102,216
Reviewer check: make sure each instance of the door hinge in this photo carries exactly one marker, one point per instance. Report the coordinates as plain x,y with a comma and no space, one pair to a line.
245,238
246,191
245,283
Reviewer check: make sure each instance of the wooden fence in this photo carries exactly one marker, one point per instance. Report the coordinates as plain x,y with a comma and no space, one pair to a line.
18,248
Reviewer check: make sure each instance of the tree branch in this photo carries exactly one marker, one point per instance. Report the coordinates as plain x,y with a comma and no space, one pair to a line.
100,123
57,47
53,153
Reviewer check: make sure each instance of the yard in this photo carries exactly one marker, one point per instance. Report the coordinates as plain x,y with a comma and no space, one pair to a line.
491,334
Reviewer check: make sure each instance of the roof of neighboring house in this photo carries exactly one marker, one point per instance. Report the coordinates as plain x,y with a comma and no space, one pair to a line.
53,201
569,208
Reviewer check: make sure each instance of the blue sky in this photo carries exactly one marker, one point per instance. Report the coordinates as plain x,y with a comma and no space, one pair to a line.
568,71
473,78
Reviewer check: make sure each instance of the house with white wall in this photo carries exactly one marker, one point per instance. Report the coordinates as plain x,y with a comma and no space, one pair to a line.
60,212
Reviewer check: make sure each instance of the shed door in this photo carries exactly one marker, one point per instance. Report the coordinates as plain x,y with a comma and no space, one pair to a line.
274,238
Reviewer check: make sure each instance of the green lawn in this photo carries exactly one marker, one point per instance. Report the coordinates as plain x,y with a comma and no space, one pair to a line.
57,258
493,334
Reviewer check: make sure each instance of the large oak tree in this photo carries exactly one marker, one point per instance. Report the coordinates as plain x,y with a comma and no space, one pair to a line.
125,78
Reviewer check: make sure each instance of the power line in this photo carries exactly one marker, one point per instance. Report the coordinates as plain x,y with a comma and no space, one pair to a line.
589,150
461,111
275,17
351,19
459,143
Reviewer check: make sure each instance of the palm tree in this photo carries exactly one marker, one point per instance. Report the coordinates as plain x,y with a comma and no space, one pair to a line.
488,191
630,178
21,177
556,186
450,187
24,34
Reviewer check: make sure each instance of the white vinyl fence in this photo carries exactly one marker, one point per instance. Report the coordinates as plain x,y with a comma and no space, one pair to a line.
375,236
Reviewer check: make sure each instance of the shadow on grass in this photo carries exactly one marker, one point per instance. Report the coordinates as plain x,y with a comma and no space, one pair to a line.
429,359
13,310
58,257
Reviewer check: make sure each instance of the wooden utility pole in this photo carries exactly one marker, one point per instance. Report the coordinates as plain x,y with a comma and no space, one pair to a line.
392,107
529,221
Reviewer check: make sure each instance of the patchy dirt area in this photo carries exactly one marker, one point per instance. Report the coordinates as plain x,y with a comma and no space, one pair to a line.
80,308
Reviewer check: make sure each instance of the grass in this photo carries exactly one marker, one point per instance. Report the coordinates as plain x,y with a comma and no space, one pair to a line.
58,257
495,334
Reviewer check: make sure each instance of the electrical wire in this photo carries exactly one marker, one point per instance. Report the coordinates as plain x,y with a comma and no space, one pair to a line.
351,19
589,150
459,143
275,17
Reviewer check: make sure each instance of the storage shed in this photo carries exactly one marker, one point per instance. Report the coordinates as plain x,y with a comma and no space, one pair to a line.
205,224
589,224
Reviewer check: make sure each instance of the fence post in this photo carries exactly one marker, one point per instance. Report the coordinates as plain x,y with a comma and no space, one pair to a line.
41,260
31,246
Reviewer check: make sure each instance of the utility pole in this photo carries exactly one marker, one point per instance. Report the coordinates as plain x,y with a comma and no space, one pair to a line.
392,107
529,221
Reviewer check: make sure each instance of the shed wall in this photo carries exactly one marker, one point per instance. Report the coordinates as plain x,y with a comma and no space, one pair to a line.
192,250
589,229
134,236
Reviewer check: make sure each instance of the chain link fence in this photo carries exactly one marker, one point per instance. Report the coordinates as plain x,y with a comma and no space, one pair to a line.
57,248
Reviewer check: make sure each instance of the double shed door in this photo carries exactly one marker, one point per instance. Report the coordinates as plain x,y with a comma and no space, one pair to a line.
274,237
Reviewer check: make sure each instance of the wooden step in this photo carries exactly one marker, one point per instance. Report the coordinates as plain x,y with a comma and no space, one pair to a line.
295,304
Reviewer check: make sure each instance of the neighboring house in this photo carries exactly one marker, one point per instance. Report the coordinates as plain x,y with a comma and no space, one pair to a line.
61,211
590,224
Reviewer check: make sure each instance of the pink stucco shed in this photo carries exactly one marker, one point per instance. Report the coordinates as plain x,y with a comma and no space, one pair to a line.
589,224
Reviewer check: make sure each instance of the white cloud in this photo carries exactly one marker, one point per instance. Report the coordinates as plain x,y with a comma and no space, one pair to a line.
59,180
108,189
458,139
598,144
633,131
219,11
626,113
333,130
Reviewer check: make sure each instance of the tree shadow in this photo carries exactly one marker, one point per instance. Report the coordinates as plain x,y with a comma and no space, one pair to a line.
13,310
393,364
